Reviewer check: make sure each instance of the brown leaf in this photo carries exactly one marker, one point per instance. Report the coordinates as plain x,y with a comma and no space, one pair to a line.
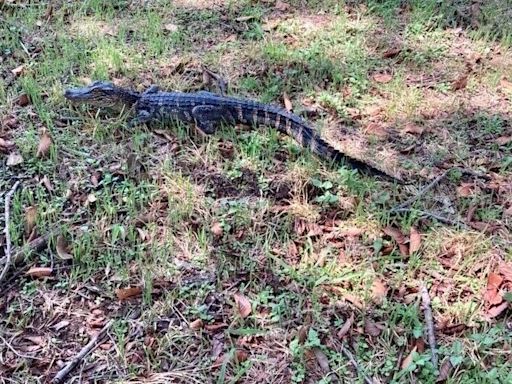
371,328
62,248
125,293
196,324
23,100
505,270
508,211
241,356
243,305
245,18
414,240
391,52
497,310
30,219
287,103
18,70
413,128
45,143
61,324
13,159
465,190
322,360
376,129
408,360
5,145
504,140
505,84
382,78
39,271
281,6
379,290
46,182
217,229
397,235
444,371
460,83
346,327
171,27
492,295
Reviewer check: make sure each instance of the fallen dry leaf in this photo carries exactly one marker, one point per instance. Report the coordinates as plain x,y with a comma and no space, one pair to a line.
171,27
492,294
39,271
30,219
408,360
125,293
23,100
13,159
18,70
399,238
245,18
281,6
391,52
346,327
241,356
61,324
62,248
217,229
45,143
5,145
46,182
505,269
413,128
460,83
504,140
444,371
376,129
322,360
371,328
505,84
497,310
196,324
243,305
382,78
379,290
287,103
414,240
465,190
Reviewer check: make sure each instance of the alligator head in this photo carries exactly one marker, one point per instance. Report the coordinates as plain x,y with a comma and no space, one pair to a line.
101,94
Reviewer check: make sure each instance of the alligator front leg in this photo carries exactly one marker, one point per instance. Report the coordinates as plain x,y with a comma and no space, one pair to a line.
208,118
142,117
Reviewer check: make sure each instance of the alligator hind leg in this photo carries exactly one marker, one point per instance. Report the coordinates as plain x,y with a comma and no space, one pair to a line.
208,118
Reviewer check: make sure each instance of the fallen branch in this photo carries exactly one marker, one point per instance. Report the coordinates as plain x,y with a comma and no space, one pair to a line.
352,360
429,321
443,219
91,346
8,198
422,192
35,245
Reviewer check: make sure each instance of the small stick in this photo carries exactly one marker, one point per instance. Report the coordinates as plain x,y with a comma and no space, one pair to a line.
433,215
350,356
91,346
429,321
8,255
422,192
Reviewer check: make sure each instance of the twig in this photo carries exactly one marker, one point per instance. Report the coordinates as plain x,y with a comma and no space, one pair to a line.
8,198
13,350
422,192
443,219
429,321
91,346
350,356
33,246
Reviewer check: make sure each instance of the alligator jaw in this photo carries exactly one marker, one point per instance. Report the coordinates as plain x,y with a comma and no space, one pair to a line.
78,94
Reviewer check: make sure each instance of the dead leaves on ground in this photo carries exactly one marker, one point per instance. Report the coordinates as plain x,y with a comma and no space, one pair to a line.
407,246
497,296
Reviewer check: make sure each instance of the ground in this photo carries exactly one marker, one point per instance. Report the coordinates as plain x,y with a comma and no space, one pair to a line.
241,257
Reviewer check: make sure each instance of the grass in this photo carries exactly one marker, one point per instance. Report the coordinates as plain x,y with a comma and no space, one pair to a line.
192,222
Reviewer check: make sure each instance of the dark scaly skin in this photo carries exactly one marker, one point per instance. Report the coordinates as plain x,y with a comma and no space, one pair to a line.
208,111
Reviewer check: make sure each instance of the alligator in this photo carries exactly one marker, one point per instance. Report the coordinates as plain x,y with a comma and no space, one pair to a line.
208,111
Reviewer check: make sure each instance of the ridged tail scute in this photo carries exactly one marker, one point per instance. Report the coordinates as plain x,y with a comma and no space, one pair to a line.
308,138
